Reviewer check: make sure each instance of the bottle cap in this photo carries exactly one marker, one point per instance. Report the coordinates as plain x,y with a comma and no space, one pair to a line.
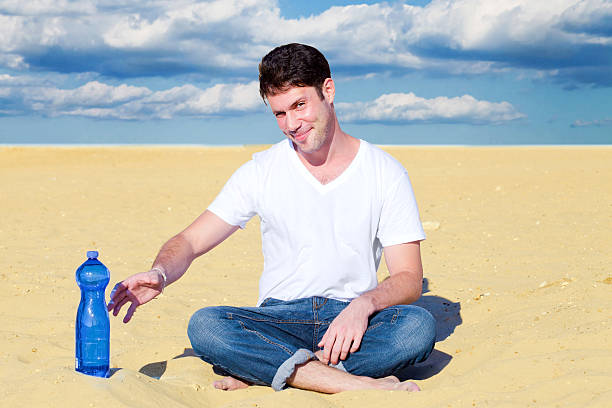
92,254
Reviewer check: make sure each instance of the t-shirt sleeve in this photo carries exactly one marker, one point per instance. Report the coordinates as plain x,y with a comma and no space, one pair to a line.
236,203
399,220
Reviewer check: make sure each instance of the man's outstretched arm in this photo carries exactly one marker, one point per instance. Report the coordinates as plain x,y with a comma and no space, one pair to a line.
402,287
173,259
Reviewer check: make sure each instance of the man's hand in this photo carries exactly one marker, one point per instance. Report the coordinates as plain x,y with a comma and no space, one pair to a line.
346,331
137,289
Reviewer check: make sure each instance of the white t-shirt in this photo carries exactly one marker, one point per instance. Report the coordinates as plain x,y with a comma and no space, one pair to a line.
321,240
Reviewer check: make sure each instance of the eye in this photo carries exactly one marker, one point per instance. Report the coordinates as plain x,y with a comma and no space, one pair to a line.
300,104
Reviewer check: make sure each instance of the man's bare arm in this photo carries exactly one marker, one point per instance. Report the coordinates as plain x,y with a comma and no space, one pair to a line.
404,284
173,259
402,287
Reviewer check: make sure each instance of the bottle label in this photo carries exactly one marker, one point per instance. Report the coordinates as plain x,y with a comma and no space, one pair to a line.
95,352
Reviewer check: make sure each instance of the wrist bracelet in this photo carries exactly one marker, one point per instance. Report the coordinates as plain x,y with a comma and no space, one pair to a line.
163,274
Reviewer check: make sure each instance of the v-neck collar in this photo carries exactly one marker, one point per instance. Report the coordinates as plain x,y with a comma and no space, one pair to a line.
308,176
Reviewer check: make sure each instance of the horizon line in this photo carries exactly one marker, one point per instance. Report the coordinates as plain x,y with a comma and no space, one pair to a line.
181,145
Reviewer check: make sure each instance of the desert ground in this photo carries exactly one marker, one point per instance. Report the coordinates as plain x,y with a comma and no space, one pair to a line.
517,260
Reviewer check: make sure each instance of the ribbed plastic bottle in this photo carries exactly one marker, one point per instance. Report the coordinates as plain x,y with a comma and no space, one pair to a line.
92,323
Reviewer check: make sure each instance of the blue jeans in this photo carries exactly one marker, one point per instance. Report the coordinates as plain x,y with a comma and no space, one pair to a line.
262,345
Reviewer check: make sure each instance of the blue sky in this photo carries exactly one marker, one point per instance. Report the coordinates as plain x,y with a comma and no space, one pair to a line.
406,72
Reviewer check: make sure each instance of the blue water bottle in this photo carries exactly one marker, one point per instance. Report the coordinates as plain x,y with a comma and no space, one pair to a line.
92,323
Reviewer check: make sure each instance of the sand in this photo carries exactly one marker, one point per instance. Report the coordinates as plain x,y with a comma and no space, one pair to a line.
517,261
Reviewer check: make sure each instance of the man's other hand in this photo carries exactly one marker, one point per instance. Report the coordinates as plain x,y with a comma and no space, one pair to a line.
346,331
137,289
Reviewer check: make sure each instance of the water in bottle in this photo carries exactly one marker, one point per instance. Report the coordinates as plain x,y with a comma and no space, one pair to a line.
92,323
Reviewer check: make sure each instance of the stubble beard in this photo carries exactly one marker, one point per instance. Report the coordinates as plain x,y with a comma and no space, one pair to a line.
314,142
320,135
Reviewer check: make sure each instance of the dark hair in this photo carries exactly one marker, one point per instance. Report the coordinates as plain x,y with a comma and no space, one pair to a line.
292,65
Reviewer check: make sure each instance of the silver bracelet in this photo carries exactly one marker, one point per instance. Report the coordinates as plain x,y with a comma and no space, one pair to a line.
163,274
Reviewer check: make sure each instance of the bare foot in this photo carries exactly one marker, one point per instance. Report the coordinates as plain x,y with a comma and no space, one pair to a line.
407,386
393,383
230,384
386,383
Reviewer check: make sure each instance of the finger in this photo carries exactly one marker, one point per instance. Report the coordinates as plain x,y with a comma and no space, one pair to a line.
112,300
130,312
118,289
120,305
356,343
323,340
345,348
335,352
116,294
328,347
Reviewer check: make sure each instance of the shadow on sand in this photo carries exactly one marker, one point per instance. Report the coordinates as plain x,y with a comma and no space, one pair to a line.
448,317
158,368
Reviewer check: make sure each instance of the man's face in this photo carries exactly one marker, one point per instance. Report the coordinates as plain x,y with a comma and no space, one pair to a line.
304,117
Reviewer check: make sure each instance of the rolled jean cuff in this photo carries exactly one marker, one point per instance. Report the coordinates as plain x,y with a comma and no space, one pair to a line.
339,366
288,367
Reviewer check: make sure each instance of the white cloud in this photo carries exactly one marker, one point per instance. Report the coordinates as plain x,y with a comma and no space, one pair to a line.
9,80
12,61
238,97
231,35
99,100
91,94
350,35
24,94
135,32
402,108
483,24
592,123
567,40
46,7
589,16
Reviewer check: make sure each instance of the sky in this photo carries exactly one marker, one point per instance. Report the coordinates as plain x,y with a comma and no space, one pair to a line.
464,72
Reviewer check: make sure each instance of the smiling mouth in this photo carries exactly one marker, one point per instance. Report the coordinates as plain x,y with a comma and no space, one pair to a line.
300,137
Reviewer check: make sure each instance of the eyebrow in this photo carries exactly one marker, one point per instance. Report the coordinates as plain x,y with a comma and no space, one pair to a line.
293,105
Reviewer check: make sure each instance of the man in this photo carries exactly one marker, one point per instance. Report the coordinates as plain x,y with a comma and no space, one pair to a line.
328,203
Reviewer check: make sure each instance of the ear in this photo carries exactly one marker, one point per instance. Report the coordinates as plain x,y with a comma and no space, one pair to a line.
329,90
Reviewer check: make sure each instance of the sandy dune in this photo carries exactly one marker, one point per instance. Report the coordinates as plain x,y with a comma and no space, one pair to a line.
517,260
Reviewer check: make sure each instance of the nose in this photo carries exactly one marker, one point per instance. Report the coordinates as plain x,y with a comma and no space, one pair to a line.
292,121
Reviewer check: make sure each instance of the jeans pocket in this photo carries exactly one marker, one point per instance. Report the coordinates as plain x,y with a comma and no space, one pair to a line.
271,341
270,302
